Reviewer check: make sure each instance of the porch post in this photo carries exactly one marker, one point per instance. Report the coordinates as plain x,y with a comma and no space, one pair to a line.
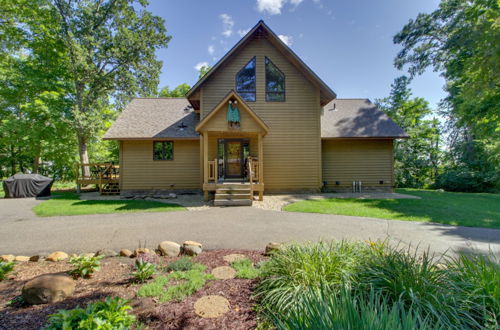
205,164
261,166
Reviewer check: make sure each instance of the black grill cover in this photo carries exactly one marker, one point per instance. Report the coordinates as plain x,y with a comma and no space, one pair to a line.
27,185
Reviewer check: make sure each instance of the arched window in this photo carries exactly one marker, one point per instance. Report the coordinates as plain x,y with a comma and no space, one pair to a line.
275,83
246,82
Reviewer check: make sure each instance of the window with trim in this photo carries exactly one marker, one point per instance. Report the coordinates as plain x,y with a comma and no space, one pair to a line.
246,81
163,150
275,83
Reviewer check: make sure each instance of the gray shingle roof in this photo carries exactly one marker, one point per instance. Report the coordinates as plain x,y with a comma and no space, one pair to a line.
349,118
155,118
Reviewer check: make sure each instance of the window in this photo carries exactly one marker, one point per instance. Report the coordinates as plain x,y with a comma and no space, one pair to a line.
245,81
163,150
275,83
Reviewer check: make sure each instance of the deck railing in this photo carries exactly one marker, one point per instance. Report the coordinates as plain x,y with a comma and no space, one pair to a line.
212,170
99,174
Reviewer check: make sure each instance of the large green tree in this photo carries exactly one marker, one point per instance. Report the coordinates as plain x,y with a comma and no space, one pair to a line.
179,91
461,40
416,158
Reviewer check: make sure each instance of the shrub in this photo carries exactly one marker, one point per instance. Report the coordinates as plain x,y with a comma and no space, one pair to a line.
465,180
290,272
85,265
5,268
245,269
326,309
182,264
144,270
109,314
188,283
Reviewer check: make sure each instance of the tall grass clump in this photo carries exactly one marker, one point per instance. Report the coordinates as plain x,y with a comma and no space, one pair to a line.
292,271
346,309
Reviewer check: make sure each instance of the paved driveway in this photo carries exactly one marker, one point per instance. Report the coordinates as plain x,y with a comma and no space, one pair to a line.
22,233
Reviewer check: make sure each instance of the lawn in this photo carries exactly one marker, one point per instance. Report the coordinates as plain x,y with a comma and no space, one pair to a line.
67,203
460,209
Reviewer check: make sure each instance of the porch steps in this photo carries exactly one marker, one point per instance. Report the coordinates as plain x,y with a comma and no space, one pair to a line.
233,194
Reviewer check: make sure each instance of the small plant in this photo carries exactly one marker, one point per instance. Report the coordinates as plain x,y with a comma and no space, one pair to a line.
5,268
144,270
188,283
109,314
85,265
181,265
245,269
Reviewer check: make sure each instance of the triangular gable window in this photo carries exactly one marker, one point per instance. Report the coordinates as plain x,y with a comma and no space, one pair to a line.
275,83
246,81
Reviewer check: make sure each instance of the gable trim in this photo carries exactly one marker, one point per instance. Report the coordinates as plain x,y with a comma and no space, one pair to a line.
220,105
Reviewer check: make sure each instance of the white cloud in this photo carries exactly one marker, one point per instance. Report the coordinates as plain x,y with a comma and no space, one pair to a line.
227,25
288,40
296,2
243,32
272,7
211,49
200,65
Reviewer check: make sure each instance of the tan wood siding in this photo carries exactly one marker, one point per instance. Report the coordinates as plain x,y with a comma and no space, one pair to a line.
218,123
368,161
142,172
292,152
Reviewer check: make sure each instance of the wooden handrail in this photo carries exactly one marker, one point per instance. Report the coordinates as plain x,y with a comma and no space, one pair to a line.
212,170
250,174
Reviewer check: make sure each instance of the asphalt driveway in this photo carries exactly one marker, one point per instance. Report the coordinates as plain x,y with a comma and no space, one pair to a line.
23,233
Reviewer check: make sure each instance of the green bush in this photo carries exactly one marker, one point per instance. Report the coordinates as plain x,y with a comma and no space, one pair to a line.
109,314
465,180
182,265
326,309
144,270
5,268
291,271
187,283
245,269
85,265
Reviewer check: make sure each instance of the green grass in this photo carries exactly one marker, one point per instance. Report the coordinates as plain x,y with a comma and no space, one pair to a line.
186,283
67,203
460,209
245,269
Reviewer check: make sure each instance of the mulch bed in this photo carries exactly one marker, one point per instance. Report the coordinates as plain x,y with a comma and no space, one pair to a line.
114,280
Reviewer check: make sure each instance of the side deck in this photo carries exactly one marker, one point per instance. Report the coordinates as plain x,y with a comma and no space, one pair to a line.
106,176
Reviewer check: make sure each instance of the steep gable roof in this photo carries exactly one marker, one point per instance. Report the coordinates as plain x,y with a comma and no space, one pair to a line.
155,118
357,118
262,30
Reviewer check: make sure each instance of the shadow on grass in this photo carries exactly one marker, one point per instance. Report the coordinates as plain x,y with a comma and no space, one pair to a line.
126,205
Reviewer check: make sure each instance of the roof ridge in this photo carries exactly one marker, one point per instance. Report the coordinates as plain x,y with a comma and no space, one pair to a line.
156,98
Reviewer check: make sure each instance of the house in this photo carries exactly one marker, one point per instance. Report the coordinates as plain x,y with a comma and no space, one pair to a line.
259,121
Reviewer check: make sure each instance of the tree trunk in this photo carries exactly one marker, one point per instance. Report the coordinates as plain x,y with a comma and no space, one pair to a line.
84,156
12,160
36,160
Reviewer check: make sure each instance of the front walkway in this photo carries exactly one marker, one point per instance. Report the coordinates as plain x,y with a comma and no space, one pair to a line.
23,233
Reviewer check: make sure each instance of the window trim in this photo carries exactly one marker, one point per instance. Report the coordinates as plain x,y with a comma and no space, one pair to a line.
163,141
254,92
284,81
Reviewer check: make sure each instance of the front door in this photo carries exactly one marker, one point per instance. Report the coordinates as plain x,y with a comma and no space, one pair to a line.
233,152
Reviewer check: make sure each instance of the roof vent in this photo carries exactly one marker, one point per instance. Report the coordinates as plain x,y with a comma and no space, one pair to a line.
182,126
334,107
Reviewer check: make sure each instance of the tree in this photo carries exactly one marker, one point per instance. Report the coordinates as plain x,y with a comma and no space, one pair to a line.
461,39
204,70
416,159
179,91
110,57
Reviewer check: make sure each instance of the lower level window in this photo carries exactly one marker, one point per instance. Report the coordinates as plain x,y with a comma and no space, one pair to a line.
163,150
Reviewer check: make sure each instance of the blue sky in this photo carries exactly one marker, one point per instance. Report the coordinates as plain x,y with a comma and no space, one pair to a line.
347,43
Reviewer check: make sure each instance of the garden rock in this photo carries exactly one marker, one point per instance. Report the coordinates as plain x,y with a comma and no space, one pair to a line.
234,257
191,248
272,247
172,195
224,273
141,251
106,253
35,258
126,253
168,248
7,257
211,306
57,256
22,258
47,289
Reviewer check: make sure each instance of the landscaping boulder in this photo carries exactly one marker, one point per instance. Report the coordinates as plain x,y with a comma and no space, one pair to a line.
22,258
191,248
57,256
7,257
126,253
106,253
168,248
35,258
47,289
272,247
140,251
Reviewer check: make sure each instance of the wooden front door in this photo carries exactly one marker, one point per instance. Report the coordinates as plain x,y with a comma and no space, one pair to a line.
233,158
